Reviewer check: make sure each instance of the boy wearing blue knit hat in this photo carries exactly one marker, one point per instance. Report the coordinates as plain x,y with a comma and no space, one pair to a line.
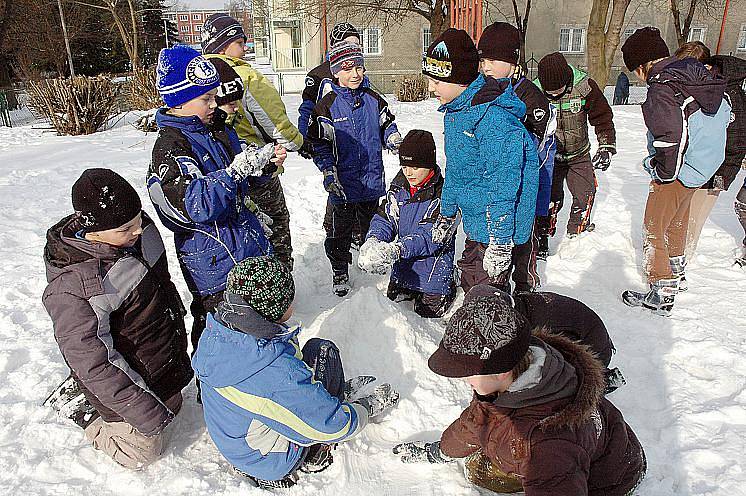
198,180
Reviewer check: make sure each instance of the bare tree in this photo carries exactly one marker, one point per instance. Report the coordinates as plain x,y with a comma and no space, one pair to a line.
604,31
683,13
518,20
124,14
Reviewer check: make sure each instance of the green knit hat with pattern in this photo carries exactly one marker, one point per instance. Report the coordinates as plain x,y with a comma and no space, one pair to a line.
265,284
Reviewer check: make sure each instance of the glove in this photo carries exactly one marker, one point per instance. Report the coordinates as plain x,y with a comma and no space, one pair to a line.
332,184
602,159
377,257
264,219
250,162
444,228
146,123
497,258
420,451
306,151
394,141
382,399
354,386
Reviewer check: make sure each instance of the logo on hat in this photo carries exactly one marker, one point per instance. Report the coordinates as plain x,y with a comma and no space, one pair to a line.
205,35
486,352
201,72
441,50
438,68
309,81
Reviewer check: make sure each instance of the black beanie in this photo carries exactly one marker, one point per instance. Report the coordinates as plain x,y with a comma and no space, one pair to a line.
554,72
343,30
104,200
231,86
418,150
645,45
219,31
500,41
452,58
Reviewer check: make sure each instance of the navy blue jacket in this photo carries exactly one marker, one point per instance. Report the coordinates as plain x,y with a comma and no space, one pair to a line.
200,202
349,129
424,265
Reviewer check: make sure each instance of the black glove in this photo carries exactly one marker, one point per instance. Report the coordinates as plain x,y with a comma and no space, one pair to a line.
306,151
602,159
420,451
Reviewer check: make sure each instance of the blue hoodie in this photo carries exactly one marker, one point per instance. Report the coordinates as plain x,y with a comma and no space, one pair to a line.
260,402
492,169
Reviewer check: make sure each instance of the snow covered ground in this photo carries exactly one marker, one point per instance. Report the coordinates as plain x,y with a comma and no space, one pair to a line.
685,398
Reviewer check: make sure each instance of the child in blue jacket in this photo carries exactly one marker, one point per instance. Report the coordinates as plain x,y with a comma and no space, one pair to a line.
349,128
492,170
271,408
422,270
198,180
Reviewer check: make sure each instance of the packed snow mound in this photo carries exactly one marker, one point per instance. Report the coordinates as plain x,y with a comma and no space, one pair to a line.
686,374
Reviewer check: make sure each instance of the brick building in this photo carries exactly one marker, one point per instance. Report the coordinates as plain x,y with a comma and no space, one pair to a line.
189,24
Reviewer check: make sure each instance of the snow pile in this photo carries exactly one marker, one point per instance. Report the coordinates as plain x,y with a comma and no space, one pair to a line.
685,395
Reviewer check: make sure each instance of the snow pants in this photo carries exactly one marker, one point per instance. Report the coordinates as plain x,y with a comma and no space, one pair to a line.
200,307
339,223
522,267
740,207
124,444
581,180
665,227
425,304
270,199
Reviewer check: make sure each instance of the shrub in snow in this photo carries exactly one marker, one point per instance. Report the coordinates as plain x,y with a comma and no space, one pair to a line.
412,89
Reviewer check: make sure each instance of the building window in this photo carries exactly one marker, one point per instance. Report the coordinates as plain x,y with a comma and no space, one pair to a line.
198,28
371,41
741,47
572,40
187,38
697,34
171,17
185,28
183,17
196,17
426,39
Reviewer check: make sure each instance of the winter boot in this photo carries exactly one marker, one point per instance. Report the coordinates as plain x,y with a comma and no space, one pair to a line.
288,481
543,250
319,458
341,284
70,403
589,228
614,380
678,267
659,299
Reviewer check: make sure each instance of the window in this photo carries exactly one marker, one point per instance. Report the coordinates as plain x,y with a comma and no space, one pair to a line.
171,17
198,28
183,17
426,39
741,47
185,29
196,17
697,34
572,40
371,41
187,38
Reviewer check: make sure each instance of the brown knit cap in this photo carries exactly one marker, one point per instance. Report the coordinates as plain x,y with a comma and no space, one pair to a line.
554,72
645,45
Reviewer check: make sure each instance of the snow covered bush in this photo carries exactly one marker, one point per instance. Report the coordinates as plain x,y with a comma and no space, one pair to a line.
142,92
412,89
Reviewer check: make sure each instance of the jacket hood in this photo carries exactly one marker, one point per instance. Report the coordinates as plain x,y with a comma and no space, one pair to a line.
693,79
190,124
226,357
488,92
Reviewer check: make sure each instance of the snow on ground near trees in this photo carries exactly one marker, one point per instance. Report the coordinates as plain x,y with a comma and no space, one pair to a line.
685,398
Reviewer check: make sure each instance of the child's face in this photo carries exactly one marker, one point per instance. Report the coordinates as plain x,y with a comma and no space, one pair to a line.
203,107
230,108
446,92
415,175
123,236
489,384
236,49
496,68
351,78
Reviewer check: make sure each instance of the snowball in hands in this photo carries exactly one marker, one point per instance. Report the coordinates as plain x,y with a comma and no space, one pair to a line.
250,162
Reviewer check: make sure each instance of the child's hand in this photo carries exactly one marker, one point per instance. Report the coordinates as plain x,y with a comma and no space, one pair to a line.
280,155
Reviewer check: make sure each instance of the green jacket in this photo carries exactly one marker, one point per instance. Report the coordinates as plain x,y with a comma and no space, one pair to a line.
262,117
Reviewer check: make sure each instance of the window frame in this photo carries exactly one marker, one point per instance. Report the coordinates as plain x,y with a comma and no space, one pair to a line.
184,17
741,41
427,38
364,33
702,37
571,32
196,17
185,28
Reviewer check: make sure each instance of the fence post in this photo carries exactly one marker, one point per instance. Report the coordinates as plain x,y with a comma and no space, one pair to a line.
4,110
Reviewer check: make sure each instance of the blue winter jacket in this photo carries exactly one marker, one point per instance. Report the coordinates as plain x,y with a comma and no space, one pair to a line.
349,129
492,170
200,202
260,403
424,266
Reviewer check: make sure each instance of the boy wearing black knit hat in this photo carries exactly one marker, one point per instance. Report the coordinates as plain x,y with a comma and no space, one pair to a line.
687,115
400,234
579,101
492,173
538,421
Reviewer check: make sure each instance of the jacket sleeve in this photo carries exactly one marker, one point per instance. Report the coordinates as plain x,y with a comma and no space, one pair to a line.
83,334
419,242
600,116
556,467
457,441
538,113
384,226
310,96
386,119
262,100
322,136
665,122
186,194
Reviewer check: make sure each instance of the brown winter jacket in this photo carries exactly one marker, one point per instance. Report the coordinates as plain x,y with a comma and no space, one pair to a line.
561,443
118,320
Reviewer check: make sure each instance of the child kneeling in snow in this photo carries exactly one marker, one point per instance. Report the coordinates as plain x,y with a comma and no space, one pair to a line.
422,269
270,408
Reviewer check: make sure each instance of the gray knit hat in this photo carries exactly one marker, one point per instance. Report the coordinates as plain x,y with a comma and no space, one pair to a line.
266,285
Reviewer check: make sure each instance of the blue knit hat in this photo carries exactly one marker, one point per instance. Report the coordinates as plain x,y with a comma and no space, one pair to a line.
183,74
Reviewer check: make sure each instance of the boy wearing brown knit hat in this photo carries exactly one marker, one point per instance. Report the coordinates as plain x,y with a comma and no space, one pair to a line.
538,421
579,101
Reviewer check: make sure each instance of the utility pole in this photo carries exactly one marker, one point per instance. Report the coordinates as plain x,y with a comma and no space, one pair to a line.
67,41
722,27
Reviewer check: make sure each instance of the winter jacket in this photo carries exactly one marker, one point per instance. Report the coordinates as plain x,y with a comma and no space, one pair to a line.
554,431
492,173
424,266
260,403
686,113
583,103
119,322
349,129
262,117
621,89
200,202
568,317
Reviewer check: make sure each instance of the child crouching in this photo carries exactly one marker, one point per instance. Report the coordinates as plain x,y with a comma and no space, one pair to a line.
422,269
270,408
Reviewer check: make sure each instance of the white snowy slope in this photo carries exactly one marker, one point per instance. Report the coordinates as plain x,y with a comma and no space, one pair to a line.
685,397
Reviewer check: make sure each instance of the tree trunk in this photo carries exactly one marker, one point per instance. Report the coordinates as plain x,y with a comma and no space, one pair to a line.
603,39
440,18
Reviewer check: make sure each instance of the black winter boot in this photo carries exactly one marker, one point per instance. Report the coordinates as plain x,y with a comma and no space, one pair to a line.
678,267
319,458
341,284
542,251
659,299
288,481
